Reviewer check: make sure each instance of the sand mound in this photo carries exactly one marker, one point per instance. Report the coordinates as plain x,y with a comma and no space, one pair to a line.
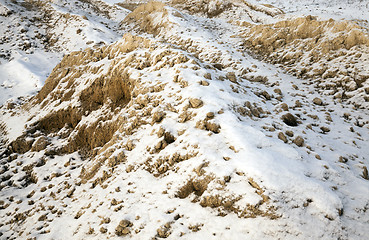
76,90
99,102
332,52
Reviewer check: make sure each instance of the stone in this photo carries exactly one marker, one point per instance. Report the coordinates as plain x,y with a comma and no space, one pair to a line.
299,141
298,104
325,129
365,173
342,159
284,106
123,228
196,103
266,95
282,137
158,117
232,77
214,127
218,66
40,144
207,76
278,91
210,115
318,101
289,119
289,133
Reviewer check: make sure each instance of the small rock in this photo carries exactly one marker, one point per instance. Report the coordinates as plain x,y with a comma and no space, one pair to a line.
282,137
218,66
210,115
284,106
129,168
42,217
342,159
160,132
365,173
289,119
196,103
214,127
123,228
227,178
232,77
289,133
347,116
299,141
207,76
340,211
163,232
325,129
157,117
266,95
169,138
204,83
10,105
317,101
278,91
298,104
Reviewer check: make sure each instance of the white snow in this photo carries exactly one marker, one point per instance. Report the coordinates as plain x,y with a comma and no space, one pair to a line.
307,193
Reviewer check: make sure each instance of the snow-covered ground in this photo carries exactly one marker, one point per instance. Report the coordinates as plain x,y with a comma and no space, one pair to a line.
34,38
201,149
336,9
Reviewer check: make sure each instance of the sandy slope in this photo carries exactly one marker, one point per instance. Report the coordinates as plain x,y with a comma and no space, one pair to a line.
182,133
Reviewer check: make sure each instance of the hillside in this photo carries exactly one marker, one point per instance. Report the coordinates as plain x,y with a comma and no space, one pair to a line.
184,119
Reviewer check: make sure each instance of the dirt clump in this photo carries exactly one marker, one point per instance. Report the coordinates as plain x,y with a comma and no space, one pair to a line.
282,137
299,141
208,125
164,231
158,117
196,186
289,119
365,173
21,145
318,101
196,103
123,228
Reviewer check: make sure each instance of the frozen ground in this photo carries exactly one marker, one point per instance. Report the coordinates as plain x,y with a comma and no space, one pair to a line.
218,163
35,37
336,9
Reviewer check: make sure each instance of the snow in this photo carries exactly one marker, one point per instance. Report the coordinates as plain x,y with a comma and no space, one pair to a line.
25,70
307,193
25,74
336,9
